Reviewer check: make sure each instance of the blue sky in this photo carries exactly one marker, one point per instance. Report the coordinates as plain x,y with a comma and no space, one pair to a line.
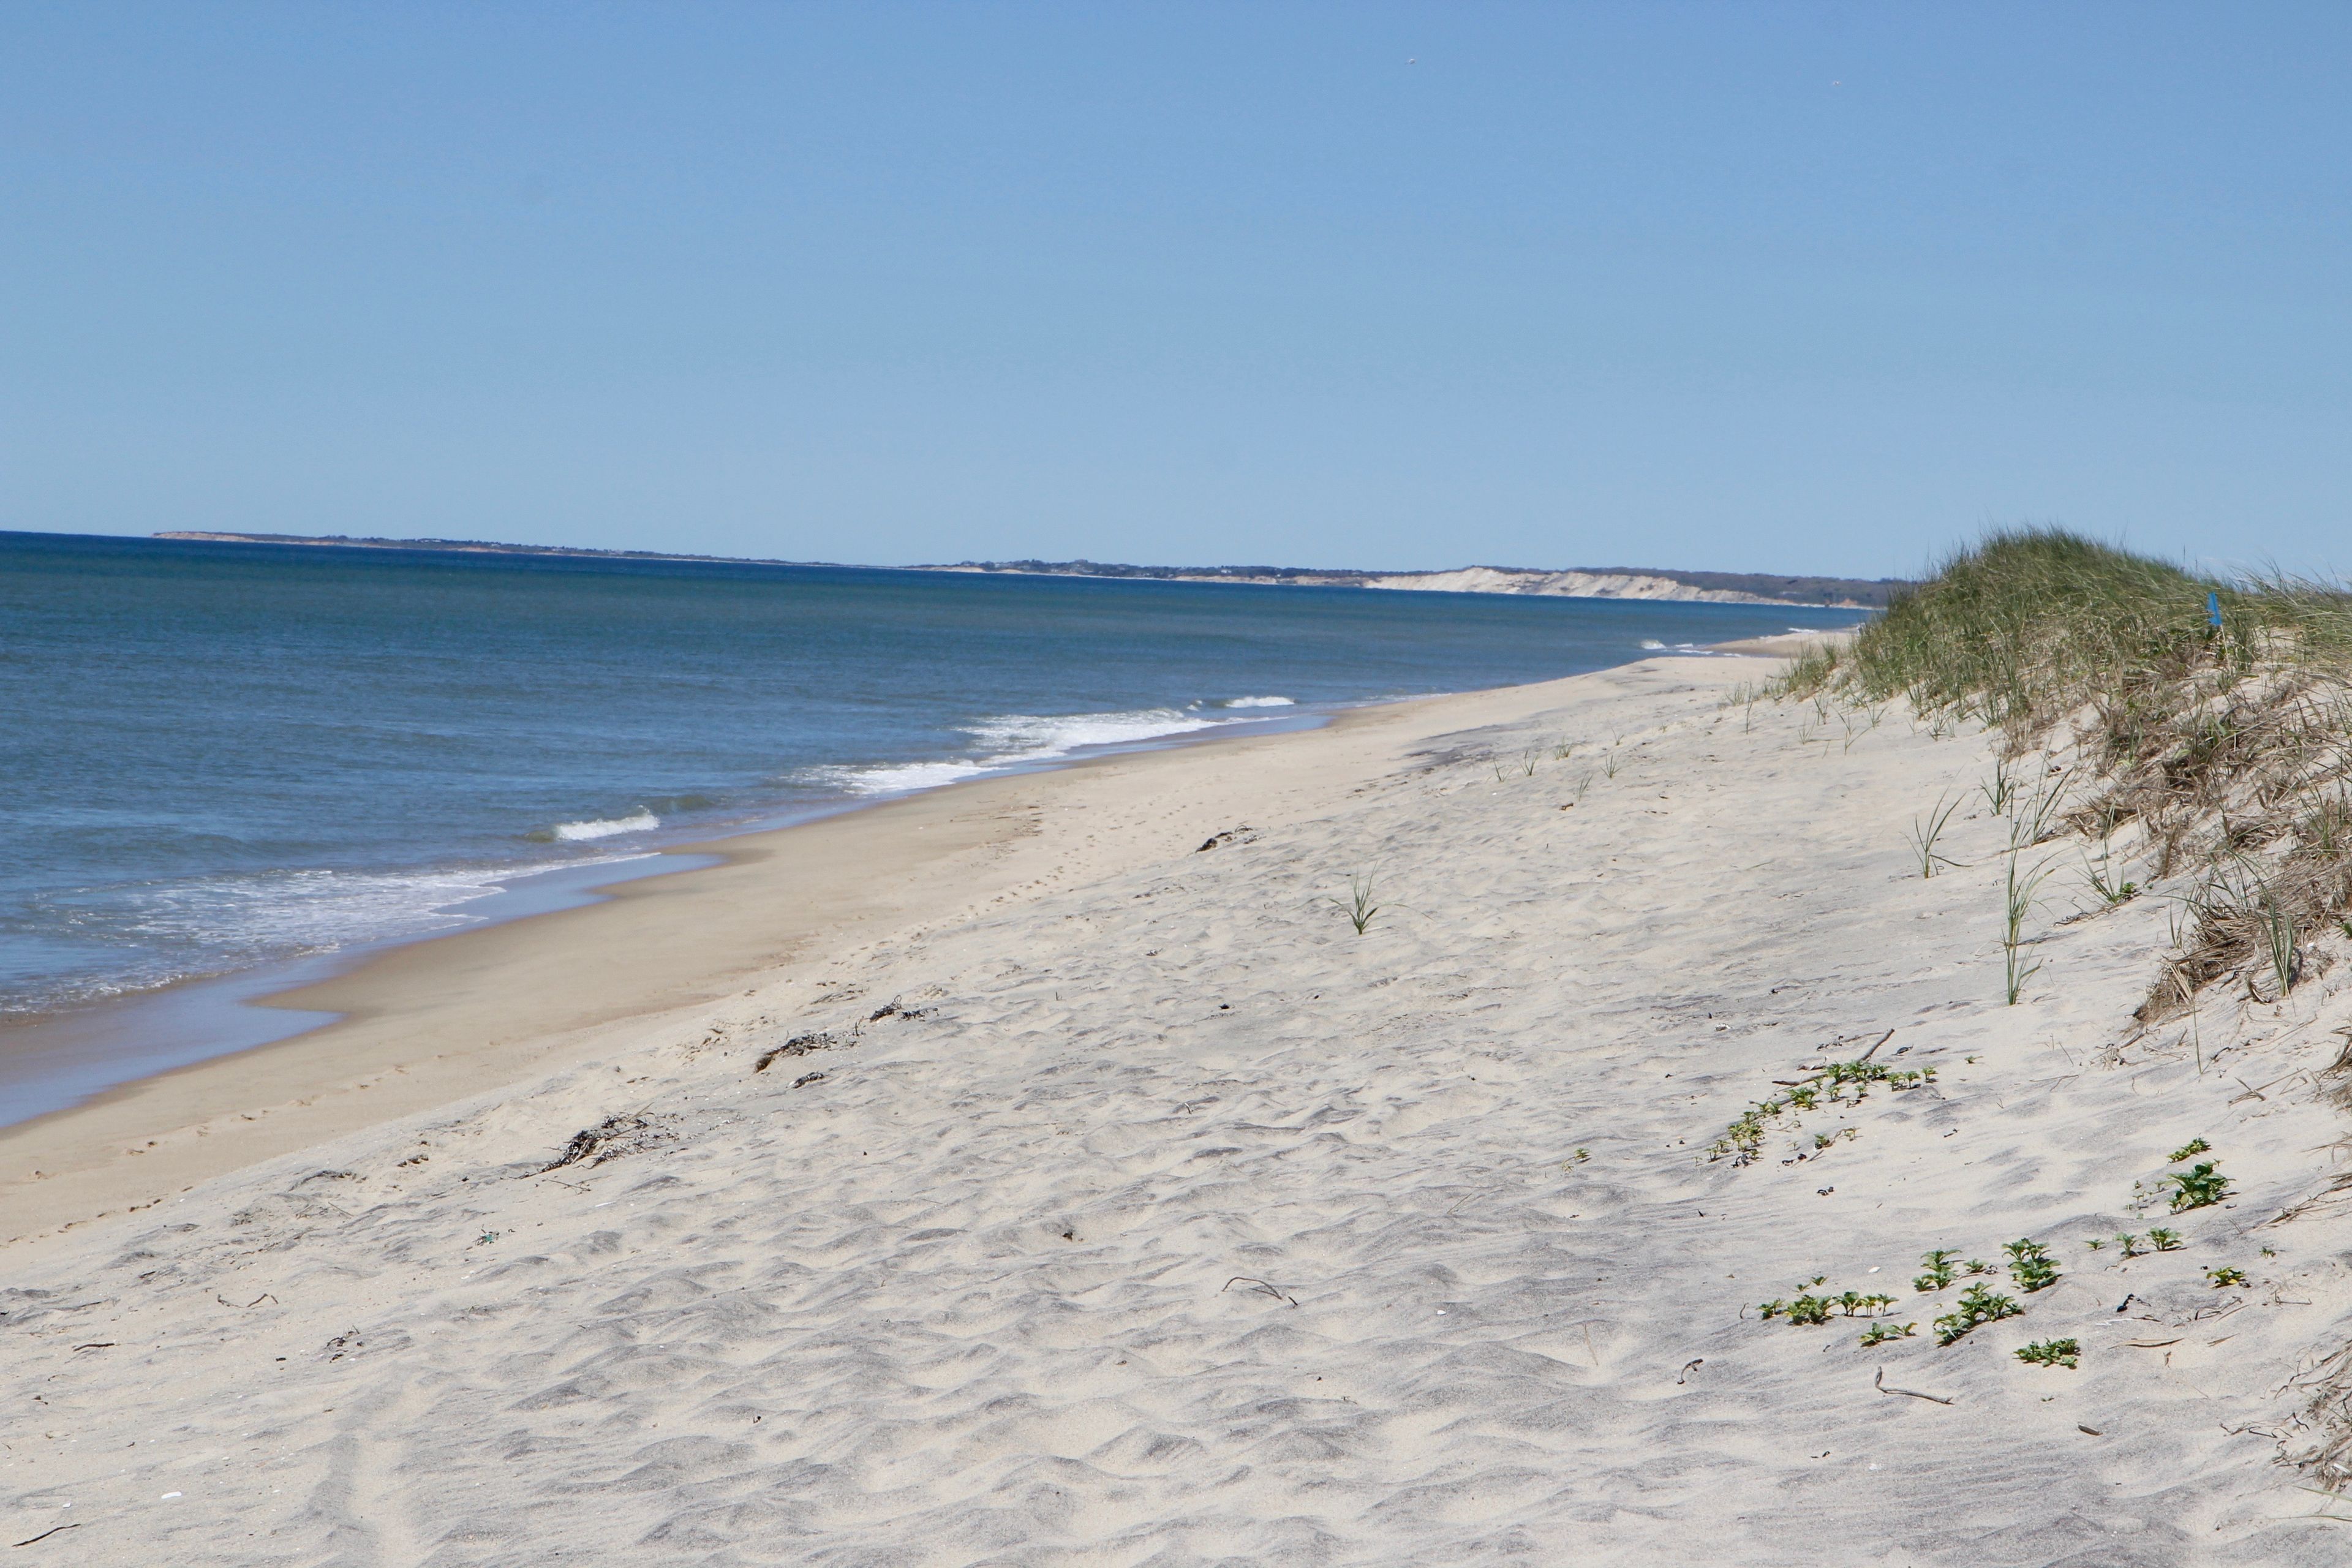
1752,287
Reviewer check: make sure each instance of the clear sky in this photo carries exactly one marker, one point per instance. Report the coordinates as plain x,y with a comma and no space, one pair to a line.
1821,287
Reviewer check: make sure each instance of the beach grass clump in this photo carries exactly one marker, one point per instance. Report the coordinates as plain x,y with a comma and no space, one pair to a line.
1359,905
2164,1240
2188,1151
2050,1352
1928,828
2017,904
2213,719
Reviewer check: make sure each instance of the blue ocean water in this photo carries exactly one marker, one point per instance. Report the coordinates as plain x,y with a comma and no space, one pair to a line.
216,756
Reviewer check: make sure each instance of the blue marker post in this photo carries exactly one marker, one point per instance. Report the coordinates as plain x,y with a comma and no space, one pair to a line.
2213,609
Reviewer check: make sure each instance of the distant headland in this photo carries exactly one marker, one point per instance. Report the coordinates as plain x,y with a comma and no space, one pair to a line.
1583,582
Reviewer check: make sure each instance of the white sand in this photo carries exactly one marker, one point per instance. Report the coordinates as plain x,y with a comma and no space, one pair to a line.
1170,1222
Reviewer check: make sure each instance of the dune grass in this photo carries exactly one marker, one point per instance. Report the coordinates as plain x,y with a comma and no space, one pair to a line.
2214,717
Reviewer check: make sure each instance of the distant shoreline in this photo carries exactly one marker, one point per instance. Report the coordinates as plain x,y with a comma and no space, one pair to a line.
1596,583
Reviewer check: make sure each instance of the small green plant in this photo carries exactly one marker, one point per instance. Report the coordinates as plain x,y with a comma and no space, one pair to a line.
2104,883
2031,1265
2189,1151
1835,1083
2279,935
2164,1240
1854,1303
2018,903
2001,788
2050,1352
1977,1307
1926,830
1879,1334
2094,1242
1807,1309
1977,1266
2130,1244
2198,1186
1527,761
1609,763
1940,1271
2036,822
1358,906
2223,1279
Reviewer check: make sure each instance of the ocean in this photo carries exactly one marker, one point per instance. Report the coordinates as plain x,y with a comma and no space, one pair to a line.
215,758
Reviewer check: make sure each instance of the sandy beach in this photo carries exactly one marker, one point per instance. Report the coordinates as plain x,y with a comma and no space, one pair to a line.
1045,1171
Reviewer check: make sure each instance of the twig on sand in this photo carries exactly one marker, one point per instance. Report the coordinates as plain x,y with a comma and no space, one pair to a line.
1874,1045
1879,1383
77,1524
1276,1293
1689,1367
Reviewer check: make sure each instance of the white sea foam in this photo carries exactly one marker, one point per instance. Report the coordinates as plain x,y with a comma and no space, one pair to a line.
1262,702
1692,649
638,821
295,911
1028,737
896,780
1012,739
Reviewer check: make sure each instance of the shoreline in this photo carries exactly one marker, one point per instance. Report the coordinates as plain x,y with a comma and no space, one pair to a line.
288,1088
238,1003
441,1018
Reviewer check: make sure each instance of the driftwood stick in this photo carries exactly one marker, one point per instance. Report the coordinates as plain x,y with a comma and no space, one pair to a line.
51,1531
1280,1295
1879,1383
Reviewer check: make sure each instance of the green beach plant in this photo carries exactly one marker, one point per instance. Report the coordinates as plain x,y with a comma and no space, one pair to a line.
1977,1307
2050,1352
2103,881
2000,789
1358,906
2031,1265
1835,1083
2017,904
1926,830
2199,1187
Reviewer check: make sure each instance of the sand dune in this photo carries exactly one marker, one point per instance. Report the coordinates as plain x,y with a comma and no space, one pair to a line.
1142,1211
